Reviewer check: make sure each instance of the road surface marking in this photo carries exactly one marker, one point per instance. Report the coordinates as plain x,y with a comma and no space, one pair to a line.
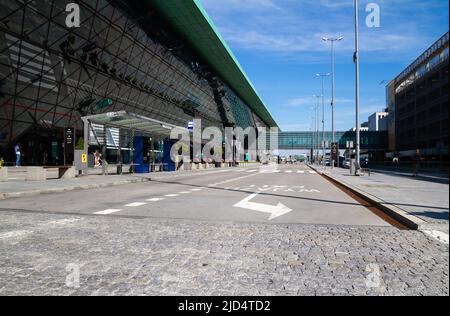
300,171
288,171
135,204
185,192
251,171
15,234
313,172
171,195
155,200
440,236
232,180
107,212
196,190
274,211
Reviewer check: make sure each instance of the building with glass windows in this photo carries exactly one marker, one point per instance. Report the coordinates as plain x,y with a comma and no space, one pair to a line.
161,59
370,141
418,106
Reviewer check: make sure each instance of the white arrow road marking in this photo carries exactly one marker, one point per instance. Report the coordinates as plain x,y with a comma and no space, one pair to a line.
274,211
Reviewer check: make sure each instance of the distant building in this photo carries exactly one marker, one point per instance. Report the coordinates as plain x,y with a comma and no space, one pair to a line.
378,121
418,105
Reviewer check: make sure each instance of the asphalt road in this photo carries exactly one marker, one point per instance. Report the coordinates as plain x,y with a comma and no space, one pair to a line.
218,232
288,194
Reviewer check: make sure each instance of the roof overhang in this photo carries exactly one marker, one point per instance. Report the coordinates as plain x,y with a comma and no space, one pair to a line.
133,122
190,20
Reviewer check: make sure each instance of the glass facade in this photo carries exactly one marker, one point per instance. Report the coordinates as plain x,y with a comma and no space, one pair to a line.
419,106
123,57
308,140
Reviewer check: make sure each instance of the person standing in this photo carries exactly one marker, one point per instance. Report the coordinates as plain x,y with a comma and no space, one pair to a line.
17,151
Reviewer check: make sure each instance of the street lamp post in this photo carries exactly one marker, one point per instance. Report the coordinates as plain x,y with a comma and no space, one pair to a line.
356,59
323,115
332,40
317,128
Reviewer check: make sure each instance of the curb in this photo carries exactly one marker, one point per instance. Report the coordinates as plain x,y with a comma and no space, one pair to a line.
5,196
403,217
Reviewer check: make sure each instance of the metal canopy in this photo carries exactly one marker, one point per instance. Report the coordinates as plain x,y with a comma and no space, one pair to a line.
191,21
133,122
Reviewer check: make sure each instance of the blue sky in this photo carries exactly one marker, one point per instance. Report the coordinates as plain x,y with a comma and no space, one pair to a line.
278,43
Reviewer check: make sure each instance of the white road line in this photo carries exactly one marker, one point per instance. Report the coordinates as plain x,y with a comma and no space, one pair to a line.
135,204
440,236
196,190
288,171
107,212
300,171
155,200
171,195
15,234
251,171
232,180
313,172
185,192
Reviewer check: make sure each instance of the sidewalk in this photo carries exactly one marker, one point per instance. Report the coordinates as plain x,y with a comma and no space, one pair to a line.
423,200
21,188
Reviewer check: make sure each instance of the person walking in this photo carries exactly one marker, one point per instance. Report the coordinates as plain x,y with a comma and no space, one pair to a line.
17,151
416,162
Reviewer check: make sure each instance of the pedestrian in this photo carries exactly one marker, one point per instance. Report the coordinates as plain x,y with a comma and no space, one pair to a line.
97,159
416,162
17,151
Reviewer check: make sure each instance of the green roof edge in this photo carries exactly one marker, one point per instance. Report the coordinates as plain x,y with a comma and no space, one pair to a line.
260,109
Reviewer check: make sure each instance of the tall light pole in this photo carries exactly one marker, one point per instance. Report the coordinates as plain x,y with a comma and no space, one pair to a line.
314,108
323,115
356,59
317,126
332,40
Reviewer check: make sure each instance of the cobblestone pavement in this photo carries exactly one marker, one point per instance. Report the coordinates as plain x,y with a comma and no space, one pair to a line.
41,254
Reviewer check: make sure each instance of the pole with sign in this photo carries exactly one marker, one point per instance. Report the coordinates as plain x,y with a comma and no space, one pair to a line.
69,145
334,154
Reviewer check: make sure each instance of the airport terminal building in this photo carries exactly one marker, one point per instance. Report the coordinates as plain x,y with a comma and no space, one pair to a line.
160,59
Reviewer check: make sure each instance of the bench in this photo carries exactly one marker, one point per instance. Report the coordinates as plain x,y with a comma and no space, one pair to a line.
121,166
